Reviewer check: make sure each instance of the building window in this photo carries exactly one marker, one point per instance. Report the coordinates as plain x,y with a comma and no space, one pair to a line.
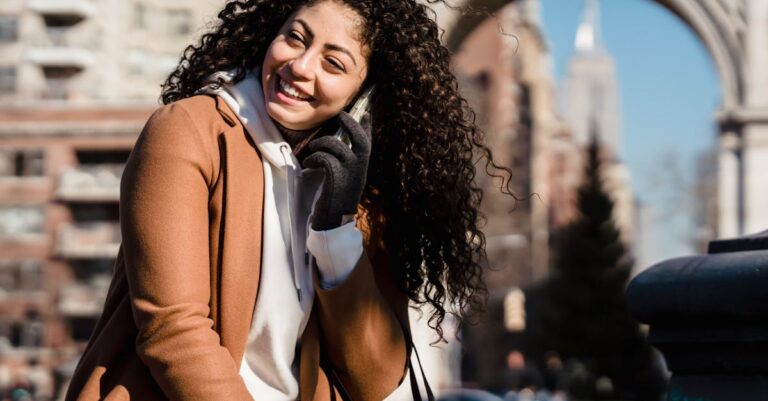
7,80
21,276
102,156
22,163
87,269
28,333
20,221
30,276
8,278
179,22
9,28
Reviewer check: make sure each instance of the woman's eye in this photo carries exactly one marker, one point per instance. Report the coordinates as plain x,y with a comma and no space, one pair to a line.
335,64
294,36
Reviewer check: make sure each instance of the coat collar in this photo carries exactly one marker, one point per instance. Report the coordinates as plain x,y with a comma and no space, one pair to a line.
246,102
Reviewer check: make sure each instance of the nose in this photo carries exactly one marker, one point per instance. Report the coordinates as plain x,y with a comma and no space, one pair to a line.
302,67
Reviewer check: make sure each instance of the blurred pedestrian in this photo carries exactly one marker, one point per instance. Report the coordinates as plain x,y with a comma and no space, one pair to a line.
520,375
553,371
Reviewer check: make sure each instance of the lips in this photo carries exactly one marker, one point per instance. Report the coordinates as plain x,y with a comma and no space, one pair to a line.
286,89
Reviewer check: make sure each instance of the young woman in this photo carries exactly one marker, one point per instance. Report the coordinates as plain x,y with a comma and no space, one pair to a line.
262,257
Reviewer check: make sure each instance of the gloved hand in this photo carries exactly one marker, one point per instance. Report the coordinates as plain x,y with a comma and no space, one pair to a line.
345,171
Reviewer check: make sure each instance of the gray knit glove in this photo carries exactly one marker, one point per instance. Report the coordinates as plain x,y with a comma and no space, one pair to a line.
345,171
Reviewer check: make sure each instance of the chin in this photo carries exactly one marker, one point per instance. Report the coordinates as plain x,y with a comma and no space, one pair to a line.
287,119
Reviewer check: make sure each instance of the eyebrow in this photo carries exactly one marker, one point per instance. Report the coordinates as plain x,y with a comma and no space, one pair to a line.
328,46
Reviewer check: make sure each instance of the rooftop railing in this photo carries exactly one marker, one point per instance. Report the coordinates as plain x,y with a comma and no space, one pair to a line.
93,240
90,183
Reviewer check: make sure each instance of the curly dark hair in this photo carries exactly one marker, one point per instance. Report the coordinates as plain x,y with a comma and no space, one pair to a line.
421,194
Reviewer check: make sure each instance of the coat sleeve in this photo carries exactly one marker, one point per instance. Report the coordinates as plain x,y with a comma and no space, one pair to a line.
361,331
164,223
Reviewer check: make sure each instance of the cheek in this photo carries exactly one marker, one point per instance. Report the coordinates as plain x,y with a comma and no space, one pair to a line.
266,64
339,94
276,53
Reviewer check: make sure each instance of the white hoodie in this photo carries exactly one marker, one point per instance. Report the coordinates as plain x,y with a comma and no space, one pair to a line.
270,363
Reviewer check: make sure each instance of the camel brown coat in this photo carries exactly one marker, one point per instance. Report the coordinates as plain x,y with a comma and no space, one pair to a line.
179,308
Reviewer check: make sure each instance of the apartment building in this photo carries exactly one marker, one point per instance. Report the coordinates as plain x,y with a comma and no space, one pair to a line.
78,79
505,72
503,66
94,50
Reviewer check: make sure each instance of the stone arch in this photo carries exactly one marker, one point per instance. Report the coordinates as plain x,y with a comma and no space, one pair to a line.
720,32
727,28
719,25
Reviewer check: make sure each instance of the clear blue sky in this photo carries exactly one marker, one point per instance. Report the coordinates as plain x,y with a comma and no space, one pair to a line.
669,92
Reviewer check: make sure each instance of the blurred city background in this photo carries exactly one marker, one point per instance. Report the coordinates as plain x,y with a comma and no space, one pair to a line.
632,127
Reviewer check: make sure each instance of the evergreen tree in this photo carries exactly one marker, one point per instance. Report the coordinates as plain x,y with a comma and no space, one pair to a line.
582,313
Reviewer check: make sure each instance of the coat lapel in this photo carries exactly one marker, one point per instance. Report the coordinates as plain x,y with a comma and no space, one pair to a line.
240,266
243,205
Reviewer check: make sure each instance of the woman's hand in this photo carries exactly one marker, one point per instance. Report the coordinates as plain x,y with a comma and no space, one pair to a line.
345,171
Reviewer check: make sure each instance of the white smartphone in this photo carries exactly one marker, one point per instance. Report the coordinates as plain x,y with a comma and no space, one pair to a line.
358,110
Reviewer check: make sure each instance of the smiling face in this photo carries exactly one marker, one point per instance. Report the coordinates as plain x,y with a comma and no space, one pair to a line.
315,65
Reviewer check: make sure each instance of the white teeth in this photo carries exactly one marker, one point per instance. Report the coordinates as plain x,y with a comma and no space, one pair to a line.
291,91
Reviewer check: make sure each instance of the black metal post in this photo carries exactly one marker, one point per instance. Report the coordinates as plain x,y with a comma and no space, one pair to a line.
708,315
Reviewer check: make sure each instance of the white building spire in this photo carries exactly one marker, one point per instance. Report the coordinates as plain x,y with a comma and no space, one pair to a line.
588,35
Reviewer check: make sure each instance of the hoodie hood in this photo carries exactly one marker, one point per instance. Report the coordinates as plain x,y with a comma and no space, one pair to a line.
246,101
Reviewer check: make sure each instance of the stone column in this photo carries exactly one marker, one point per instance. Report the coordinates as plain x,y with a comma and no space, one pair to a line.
729,187
755,159
754,116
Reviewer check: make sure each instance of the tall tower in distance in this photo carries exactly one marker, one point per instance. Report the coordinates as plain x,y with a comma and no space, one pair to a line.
592,107
591,97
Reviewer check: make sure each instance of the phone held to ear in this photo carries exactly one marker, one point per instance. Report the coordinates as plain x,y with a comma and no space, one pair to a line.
358,110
